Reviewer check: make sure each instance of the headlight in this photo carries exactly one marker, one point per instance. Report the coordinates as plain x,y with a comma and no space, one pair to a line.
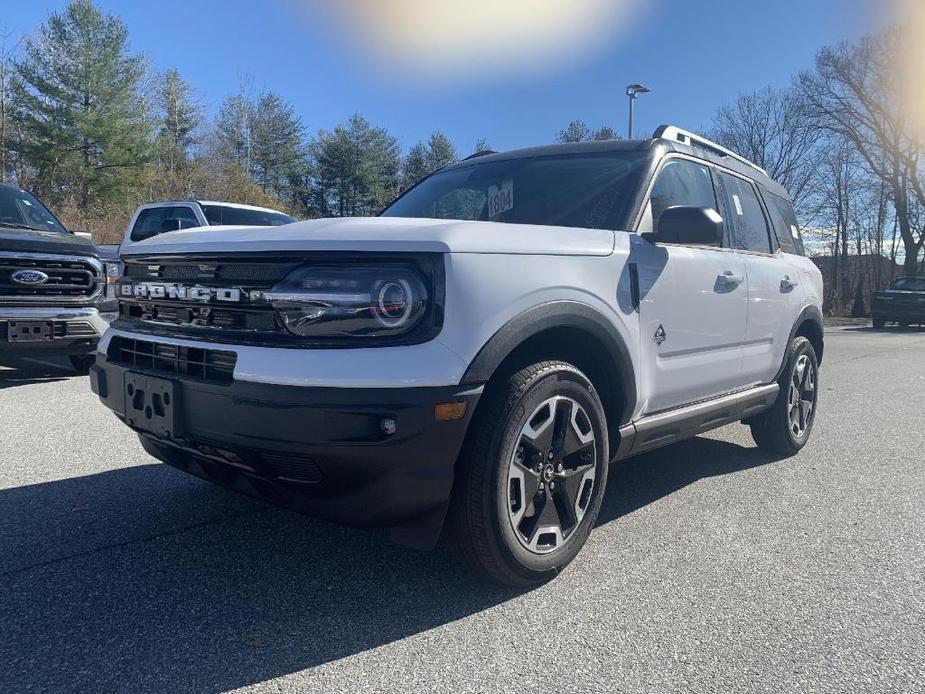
114,271
371,301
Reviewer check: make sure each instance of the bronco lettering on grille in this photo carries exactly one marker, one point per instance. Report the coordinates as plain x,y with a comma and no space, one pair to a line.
179,292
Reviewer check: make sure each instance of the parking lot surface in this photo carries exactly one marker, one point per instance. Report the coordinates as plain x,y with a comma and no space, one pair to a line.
714,567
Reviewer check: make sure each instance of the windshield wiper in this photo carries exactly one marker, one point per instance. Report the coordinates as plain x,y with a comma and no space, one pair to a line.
17,225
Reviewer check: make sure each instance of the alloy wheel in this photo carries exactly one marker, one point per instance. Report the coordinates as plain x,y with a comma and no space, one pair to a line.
551,475
802,398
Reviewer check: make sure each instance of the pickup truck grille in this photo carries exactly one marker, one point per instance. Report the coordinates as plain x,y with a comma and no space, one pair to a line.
173,360
69,279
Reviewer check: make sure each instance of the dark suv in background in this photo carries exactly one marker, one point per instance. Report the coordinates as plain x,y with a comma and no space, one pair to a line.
903,303
53,286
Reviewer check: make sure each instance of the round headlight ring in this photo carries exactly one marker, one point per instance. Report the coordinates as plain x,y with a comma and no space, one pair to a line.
390,312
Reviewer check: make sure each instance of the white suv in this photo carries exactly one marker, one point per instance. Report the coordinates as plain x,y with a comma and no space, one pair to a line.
481,351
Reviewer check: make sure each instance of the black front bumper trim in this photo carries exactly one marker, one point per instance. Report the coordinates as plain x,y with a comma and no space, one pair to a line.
319,451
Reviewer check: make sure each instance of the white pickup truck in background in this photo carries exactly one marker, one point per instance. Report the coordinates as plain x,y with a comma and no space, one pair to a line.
171,215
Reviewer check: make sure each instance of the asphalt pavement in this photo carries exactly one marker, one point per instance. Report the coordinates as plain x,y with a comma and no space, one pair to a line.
714,568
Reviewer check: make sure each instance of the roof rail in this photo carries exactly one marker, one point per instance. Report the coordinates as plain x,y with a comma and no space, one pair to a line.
673,132
482,153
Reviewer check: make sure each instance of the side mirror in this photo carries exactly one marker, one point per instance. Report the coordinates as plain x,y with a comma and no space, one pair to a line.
688,224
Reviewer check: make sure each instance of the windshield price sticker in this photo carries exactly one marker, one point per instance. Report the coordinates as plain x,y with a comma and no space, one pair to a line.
501,199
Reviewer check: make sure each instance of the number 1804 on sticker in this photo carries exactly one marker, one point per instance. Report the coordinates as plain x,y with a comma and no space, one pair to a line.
500,198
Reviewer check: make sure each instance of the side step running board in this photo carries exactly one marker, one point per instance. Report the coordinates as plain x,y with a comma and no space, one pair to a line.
663,428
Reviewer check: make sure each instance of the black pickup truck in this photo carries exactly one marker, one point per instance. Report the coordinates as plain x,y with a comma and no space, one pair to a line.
902,303
53,286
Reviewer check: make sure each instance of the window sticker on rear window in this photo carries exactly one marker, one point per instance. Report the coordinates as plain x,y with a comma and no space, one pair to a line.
738,204
794,232
501,199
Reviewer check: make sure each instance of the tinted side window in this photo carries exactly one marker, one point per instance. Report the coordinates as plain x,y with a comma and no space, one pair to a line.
156,220
680,182
221,214
748,228
785,224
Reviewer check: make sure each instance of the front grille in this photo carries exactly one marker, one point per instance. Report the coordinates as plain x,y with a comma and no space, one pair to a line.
200,316
173,360
73,278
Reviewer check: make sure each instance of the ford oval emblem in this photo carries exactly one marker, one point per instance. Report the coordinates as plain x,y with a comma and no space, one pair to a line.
29,277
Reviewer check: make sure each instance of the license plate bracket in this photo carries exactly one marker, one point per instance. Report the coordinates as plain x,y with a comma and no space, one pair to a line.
30,331
152,404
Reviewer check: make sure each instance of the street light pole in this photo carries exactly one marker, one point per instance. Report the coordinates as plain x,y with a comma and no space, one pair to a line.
633,91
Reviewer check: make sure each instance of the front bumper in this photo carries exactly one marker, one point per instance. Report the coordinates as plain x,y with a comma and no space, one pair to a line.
904,312
73,330
321,451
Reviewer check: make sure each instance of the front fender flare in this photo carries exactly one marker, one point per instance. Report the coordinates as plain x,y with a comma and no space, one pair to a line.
558,314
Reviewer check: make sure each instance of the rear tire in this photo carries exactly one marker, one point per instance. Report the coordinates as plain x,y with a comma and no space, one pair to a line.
785,428
82,362
532,475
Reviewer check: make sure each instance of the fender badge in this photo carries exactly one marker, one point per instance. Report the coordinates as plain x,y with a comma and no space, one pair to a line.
660,336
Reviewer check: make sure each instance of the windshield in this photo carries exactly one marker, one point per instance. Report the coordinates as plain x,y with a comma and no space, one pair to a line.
19,210
576,190
225,214
910,284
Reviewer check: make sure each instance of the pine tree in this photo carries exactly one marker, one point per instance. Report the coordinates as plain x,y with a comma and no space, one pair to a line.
234,131
579,131
440,152
425,158
180,117
576,131
414,167
356,169
82,130
278,154
481,145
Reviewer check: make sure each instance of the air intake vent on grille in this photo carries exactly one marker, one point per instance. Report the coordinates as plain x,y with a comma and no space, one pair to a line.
191,362
229,271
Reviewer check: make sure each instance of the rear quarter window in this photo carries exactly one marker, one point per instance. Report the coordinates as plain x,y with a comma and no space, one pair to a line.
223,214
784,221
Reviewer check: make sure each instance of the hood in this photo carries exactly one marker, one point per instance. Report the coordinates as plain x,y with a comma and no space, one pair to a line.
389,234
24,241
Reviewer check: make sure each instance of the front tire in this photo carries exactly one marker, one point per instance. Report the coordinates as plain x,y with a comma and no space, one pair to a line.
785,428
532,475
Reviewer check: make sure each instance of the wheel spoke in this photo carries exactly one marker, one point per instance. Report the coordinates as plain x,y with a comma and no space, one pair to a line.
538,432
578,433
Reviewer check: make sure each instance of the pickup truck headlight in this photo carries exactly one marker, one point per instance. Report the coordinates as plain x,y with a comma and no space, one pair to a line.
366,301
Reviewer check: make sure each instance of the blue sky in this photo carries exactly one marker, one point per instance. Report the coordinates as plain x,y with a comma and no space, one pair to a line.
694,56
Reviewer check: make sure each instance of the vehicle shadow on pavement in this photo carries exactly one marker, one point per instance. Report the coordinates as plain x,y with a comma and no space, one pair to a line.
638,481
145,579
908,330
18,373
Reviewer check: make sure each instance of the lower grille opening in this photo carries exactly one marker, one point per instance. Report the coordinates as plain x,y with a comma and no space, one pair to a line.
173,360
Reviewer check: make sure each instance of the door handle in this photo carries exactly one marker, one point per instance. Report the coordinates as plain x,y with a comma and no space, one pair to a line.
787,284
730,277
